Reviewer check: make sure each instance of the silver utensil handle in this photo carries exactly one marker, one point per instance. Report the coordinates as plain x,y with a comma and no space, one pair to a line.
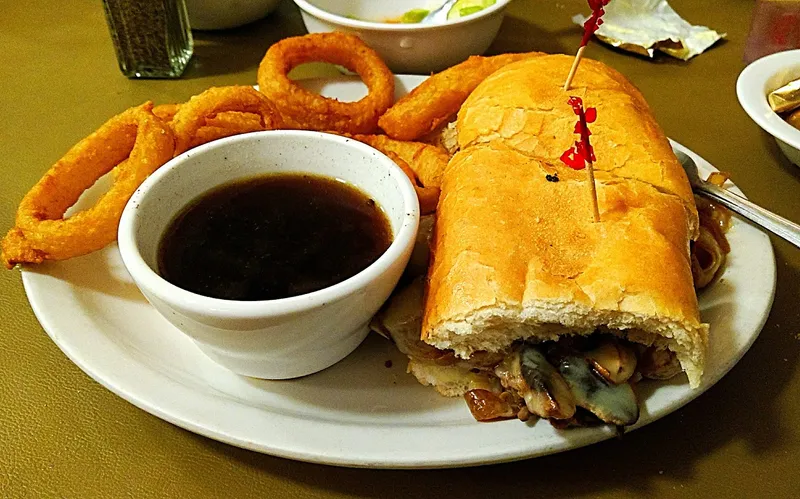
765,218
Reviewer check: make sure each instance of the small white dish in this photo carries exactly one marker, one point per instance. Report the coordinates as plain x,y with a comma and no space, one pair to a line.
226,14
270,339
406,48
755,82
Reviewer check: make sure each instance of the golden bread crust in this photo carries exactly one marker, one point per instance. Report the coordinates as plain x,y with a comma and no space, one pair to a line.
524,106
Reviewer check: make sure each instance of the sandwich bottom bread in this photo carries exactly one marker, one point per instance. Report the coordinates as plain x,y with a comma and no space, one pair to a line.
529,306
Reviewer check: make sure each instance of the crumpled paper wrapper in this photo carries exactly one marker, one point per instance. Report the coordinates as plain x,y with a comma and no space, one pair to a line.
644,26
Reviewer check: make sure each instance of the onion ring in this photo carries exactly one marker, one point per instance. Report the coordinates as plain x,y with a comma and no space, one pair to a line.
195,114
439,97
226,124
425,160
428,196
234,120
134,143
165,112
306,110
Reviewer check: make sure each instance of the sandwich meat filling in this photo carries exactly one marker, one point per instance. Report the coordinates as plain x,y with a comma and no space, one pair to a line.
575,381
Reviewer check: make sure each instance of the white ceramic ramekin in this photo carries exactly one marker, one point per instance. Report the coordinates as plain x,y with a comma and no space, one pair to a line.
273,339
754,84
406,48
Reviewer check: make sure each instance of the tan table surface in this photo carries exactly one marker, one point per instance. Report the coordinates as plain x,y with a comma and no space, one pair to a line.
63,435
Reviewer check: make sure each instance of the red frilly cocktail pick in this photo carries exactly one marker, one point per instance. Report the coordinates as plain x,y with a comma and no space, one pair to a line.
595,20
589,27
581,155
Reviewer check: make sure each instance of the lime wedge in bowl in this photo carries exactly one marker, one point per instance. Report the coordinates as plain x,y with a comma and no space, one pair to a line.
414,16
464,8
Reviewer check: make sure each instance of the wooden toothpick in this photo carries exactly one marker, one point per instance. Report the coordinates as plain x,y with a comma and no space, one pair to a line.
589,27
574,68
593,191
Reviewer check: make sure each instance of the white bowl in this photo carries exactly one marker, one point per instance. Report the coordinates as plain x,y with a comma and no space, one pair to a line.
273,339
406,48
224,14
754,84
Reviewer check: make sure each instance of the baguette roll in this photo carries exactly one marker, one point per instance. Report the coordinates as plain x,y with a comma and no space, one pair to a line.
516,256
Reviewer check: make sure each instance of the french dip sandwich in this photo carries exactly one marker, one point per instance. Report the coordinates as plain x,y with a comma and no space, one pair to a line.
529,305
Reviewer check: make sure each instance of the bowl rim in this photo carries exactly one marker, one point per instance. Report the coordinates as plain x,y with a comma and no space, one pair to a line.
378,26
752,94
147,278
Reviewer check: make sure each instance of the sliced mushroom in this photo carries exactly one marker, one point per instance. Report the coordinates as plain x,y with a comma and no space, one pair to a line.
582,418
614,361
545,392
658,363
615,404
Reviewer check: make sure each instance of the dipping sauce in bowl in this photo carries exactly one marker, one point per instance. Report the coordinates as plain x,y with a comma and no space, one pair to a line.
273,236
271,250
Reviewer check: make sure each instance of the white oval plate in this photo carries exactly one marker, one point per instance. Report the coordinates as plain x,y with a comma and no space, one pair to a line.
359,412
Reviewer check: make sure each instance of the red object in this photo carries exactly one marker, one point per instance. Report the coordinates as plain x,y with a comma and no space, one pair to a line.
594,21
775,27
582,152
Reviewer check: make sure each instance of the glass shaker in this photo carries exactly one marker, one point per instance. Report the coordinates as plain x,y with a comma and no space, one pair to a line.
152,38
